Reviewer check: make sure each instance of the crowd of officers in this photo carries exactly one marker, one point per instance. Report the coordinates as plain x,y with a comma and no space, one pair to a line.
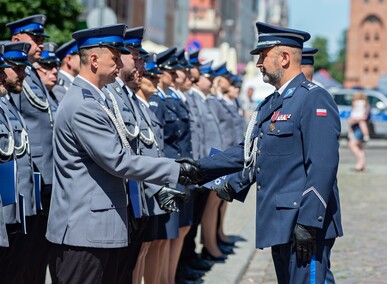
167,104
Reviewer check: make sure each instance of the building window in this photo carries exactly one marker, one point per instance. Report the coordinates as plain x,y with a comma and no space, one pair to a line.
366,55
376,37
376,69
367,37
365,69
366,1
381,1
376,55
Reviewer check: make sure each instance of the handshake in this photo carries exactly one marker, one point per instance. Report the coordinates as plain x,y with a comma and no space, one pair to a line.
190,173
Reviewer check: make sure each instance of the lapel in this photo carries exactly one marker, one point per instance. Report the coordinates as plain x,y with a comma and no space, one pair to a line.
36,80
286,94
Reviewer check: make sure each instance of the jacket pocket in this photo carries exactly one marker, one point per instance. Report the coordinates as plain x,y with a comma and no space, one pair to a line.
281,139
108,218
289,200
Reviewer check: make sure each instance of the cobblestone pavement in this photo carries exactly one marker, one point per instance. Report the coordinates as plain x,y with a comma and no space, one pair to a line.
361,255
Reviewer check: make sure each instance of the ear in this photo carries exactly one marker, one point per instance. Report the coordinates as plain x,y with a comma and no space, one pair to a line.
15,38
285,58
93,59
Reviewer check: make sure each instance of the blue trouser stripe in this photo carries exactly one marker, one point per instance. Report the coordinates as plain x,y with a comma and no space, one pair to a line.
312,273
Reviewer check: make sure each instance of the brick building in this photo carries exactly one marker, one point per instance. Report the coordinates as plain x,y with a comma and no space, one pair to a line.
366,43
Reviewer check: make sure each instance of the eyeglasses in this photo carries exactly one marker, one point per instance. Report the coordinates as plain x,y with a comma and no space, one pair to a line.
49,66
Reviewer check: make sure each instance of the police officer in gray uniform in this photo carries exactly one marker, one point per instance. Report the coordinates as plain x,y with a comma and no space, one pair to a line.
16,259
34,106
69,68
88,220
4,137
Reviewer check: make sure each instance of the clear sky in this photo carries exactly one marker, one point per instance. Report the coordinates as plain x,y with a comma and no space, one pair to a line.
325,18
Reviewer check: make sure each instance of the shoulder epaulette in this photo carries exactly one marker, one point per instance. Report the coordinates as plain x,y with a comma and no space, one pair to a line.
309,85
61,82
87,94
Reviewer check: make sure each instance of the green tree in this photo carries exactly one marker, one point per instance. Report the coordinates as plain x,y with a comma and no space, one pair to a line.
321,60
337,68
61,15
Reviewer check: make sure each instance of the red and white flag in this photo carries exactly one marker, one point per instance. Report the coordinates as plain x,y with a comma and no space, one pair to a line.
321,112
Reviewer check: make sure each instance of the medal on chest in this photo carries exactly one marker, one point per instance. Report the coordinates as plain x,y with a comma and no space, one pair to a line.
273,119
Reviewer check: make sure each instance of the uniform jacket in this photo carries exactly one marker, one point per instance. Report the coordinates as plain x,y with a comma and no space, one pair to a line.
5,129
131,117
211,130
89,204
62,86
296,164
197,128
38,124
3,231
25,182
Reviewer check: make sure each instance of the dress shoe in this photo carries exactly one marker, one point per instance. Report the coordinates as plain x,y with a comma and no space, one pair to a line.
229,242
200,264
207,256
192,274
226,249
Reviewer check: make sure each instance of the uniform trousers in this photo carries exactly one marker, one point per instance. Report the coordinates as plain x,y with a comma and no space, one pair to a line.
288,270
83,265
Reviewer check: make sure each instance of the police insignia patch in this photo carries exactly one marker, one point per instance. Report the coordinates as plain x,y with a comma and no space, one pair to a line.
289,92
153,103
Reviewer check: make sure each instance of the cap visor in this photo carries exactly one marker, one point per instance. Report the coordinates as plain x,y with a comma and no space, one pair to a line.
120,48
38,34
19,63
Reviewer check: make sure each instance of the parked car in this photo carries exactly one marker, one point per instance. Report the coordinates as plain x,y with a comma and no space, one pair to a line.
378,103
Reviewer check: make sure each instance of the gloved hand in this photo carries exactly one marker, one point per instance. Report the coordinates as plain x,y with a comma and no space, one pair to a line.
224,191
190,172
304,240
166,198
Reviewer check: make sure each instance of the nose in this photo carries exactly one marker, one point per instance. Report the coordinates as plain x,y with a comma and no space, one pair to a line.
259,62
119,63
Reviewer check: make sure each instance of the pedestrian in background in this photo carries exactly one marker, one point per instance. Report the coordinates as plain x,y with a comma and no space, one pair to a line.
358,131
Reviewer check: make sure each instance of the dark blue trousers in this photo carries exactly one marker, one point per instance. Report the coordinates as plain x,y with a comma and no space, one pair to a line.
289,270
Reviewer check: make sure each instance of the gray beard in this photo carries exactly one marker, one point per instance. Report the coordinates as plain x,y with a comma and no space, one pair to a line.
272,78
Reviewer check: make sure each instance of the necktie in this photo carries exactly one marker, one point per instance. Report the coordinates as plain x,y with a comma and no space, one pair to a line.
276,95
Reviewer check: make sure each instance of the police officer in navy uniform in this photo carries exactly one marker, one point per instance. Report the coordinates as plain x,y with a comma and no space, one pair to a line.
69,67
88,219
307,62
292,155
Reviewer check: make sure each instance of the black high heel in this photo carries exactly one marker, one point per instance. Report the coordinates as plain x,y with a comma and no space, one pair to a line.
207,256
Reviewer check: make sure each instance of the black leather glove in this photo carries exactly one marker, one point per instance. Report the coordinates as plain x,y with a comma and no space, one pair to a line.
224,191
190,172
304,240
166,198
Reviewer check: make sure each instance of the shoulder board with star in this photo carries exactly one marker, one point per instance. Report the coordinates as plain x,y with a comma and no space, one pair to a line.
309,85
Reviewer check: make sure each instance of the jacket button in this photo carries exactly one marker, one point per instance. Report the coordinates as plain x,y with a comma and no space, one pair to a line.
259,152
241,184
278,131
258,187
294,203
320,218
261,134
258,169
